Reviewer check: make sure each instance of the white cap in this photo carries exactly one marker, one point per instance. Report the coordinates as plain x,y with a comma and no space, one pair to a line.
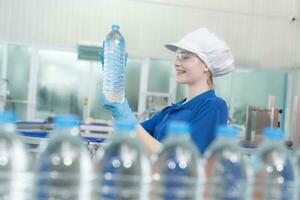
213,51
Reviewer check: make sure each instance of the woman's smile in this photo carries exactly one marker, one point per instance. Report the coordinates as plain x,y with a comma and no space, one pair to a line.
180,71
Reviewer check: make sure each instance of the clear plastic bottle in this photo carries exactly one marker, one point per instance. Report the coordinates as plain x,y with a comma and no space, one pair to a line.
64,169
275,175
15,176
228,174
297,166
177,169
123,166
114,66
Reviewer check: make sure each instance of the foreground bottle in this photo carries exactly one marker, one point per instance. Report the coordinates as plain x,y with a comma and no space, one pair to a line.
64,169
275,175
228,174
15,177
123,166
297,166
176,170
114,62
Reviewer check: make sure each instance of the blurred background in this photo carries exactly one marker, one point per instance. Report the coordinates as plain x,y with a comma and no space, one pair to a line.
49,55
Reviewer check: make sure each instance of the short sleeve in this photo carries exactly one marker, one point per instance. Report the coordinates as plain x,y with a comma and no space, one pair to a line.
149,125
205,122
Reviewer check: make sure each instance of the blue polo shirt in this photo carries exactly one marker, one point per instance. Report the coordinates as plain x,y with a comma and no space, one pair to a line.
204,113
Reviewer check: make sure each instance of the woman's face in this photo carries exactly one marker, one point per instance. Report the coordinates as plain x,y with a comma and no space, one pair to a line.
190,69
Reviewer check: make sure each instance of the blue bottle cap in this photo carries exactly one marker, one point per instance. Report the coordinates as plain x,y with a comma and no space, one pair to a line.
179,127
273,134
115,27
66,120
7,117
124,126
228,132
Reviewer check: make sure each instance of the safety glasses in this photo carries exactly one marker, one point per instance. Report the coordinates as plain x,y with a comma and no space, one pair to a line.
185,56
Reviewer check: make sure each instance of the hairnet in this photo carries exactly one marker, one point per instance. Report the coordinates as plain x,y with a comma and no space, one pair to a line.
213,51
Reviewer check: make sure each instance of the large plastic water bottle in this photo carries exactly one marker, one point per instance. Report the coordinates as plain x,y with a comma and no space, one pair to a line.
275,175
228,173
64,169
297,165
177,170
15,176
123,166
114,65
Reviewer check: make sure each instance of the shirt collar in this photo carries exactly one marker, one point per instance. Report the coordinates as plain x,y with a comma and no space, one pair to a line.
195,100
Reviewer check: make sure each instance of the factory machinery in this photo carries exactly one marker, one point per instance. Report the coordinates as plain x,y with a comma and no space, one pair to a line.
33,134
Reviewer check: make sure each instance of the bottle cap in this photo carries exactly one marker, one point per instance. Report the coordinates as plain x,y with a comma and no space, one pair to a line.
273,134
124,126
179,127
7,117
66,120
228,132
115,27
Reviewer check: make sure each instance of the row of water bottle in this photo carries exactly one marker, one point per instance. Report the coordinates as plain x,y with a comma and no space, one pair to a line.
123,170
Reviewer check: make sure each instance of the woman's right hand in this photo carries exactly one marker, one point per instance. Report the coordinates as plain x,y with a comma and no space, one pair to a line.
120,111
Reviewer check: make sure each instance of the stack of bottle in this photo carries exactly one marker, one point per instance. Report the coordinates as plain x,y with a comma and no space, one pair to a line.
123,170
180,173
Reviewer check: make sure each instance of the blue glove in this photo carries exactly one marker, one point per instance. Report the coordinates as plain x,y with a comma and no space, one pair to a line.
120,111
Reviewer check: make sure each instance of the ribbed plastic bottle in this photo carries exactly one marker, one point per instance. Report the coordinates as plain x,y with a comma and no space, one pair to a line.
275,175
228,175
15,177
176,170
297,166
64,168
123,167
114,65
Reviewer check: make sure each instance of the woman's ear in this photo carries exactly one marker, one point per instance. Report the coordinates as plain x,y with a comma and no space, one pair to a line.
205,69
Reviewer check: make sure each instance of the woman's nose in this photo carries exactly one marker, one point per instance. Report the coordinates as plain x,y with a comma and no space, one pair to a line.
177,62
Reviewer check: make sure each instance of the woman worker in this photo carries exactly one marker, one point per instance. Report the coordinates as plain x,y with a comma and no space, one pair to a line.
200,56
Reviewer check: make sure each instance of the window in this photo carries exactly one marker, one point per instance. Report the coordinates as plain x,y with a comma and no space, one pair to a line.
159,76
62,84
1,58
223,87
133,71
132,85
251,87
19,59
181,92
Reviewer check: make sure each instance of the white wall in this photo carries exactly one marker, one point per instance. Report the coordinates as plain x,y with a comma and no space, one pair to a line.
258,31
298,37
